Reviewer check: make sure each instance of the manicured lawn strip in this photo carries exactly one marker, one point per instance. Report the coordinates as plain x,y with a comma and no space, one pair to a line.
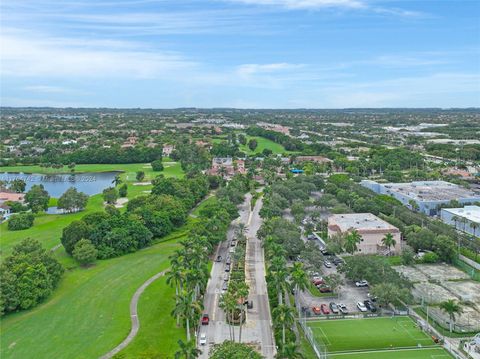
89,313
430,353
196,211
158,332
364,334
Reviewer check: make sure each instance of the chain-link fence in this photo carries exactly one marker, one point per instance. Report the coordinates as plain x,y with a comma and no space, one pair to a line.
318,346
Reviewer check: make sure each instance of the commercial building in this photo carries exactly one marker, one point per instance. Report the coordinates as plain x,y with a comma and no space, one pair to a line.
424,196
466,219
371,228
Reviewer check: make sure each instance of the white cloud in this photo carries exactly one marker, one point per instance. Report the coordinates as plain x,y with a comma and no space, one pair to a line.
35,55
46,89
253,69
307,4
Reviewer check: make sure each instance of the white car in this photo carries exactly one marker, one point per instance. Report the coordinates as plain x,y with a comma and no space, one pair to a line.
362,307
361,283
203,339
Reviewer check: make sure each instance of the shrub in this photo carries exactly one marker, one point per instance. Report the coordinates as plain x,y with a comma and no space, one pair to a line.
85,252
430,257
123,190
157,165
20,221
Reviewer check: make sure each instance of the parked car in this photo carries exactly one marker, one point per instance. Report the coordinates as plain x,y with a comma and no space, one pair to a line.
361,283
324,251
219,258
325,289
372,297
233,244
337,261
318,282
205,319
225,277
316,310
334,308
327,264
231,250
370,306
361,307
227,268
343,308
203,339
225,286
324,309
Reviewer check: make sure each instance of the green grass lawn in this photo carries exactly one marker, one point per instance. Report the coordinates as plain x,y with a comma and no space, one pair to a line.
367,334
48,228
263,143
88,314
430,353
158,332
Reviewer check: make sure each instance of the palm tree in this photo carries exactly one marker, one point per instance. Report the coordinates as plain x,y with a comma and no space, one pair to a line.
187,350
228,303
278,273
290,351
474,226
187,307
117,180
299,278
455,219
451,308
351,241
242,292
176,276
388,241
283,315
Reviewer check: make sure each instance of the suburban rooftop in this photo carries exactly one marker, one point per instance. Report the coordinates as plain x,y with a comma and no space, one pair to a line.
471,213
359,221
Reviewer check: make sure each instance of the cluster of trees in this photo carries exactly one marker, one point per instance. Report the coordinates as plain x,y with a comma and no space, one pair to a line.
72,200
37,198
466,152
27,276
21,221
294,192
192,158
97,154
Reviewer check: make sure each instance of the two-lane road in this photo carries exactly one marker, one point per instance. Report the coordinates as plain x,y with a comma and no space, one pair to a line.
258,327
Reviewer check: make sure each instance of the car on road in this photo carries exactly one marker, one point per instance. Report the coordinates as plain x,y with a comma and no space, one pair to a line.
316,310
205,319
227,268
334,308
327,264
370,306
343,308
361,307
324,309
325,289
219,259
361,283
225,286
225,277
203,339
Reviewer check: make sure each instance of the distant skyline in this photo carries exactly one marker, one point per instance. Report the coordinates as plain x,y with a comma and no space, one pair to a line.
240,53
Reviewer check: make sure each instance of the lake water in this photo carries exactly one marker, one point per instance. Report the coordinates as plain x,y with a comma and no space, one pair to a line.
56,184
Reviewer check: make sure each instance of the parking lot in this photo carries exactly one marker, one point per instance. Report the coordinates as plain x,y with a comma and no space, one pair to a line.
349,294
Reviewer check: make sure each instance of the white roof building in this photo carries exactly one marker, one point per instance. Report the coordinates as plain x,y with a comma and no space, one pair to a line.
466,219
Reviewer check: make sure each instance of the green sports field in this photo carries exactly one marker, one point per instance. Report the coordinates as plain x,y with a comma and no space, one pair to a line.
347,335
425,353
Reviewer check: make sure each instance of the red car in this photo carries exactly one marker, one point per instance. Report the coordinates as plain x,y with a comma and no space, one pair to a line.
205,319
324,309
325,289
316,310
318,282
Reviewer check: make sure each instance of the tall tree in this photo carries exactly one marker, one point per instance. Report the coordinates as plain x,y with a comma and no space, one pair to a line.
351,241
187,350
388,241
451,308
283,315
37,198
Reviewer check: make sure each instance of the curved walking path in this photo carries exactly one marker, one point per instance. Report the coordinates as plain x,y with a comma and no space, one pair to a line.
133,316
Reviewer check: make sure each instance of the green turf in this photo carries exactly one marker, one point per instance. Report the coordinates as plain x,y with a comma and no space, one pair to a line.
365,334
263,143
48,228
89,313
430,353
158,332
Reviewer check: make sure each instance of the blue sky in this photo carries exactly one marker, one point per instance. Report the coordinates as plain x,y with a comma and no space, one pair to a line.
240,53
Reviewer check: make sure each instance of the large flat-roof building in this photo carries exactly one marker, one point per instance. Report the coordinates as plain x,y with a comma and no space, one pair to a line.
466,219
428,195
371,228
